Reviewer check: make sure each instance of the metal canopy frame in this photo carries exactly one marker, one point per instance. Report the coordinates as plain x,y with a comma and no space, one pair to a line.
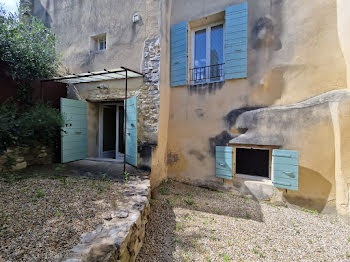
114,74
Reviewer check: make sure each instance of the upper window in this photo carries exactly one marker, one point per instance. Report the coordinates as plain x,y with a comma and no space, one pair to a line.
102,43
208,54
99,42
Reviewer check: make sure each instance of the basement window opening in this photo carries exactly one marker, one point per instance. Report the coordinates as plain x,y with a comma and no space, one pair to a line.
253,162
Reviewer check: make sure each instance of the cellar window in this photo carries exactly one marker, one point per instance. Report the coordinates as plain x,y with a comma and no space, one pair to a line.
253,162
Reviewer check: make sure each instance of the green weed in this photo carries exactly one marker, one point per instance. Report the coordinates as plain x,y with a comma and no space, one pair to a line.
309,210
164,191
39,193
189,202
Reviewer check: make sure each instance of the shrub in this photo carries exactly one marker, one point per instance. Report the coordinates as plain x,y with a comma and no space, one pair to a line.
41,124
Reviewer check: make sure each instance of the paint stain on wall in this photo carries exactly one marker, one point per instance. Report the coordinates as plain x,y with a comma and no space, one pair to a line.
197,154
175,159
220,140
203,89
231,118
263,35
199,112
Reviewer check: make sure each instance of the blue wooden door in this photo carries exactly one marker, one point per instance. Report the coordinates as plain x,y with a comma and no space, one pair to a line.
131,131
223,164
74,134
285,169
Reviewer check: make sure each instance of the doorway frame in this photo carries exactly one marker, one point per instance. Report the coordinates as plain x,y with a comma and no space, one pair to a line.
100,129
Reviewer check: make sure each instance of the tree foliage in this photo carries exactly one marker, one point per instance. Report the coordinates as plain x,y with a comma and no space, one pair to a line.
27,47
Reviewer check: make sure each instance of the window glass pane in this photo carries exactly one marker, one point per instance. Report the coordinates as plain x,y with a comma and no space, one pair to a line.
200,48
216,51
217,45
200,55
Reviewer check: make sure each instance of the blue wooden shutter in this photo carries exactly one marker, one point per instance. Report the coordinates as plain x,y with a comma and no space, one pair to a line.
236,40
131,131
223,164
74,134
285,169
178,54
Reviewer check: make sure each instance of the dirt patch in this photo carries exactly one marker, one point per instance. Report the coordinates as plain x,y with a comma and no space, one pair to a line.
43,213
188,223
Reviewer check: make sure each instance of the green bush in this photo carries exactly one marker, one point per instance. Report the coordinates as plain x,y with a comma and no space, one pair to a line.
41,124
9,128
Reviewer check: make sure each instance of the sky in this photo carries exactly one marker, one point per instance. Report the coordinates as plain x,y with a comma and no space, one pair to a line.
10,5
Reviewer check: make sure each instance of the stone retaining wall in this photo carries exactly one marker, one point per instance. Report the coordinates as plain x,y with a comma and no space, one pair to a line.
20,157
120,237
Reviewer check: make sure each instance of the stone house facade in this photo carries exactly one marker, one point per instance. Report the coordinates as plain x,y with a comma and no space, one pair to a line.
245,82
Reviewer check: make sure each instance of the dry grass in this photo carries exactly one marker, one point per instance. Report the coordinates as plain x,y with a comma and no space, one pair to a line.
43,214
194,224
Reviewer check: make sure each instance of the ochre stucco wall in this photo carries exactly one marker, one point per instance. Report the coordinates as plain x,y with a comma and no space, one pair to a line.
306,58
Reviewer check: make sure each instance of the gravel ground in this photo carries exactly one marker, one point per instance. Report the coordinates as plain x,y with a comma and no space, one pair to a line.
43,214
194,224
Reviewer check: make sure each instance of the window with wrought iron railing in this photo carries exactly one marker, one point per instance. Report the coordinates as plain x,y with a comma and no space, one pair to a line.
208,54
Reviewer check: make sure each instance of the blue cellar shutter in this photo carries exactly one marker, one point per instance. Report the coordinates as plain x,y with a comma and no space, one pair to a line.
285,169
236,41
178,55
223,164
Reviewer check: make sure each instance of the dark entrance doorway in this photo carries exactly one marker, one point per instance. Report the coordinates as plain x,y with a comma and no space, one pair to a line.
253,162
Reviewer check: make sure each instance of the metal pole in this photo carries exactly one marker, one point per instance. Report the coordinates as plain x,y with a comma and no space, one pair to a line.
125,114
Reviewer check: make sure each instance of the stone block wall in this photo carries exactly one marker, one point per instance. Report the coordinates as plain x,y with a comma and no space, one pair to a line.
20,157
121,235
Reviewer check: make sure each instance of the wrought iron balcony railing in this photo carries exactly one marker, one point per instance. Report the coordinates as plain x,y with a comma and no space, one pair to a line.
207,74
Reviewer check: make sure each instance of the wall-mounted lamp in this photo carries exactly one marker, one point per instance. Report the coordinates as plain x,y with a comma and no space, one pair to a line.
135,18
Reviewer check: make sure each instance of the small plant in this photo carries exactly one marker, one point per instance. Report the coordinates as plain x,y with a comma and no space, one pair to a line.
190,195
226,257
349,240
309,210
76,192
100,188
164,191
64,180
178,227
170,201
220,195
261,255
189,202
297,231
310,241
58,213
126,176
39,193
60,167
